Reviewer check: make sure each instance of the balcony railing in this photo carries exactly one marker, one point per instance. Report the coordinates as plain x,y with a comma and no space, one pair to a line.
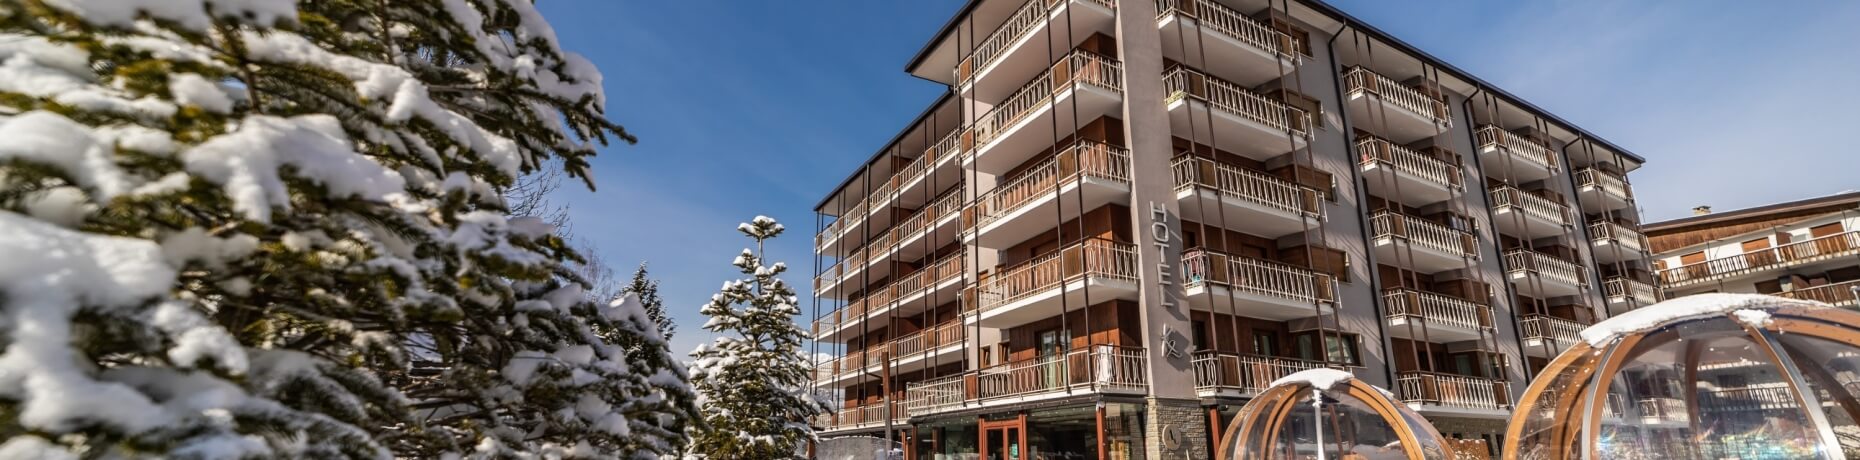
1393,92
1257,276
1662,408
1530,204
1215,371
1376,150
1607,181
1092,258
1532,152
1182,82
1528,261
1844,293
1625,288
1082,160
1748,399
1416,387
1098,367
1246,185
928,339
1080,67
1436,310
1751,261
1608,230
1029,16
1545,327
1230,22
938,394
949,146
1424,233
864,416
828,277
948,205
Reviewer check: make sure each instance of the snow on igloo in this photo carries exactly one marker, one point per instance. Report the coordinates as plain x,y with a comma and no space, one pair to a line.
1709,376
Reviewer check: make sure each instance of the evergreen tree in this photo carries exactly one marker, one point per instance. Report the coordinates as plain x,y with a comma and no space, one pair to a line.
753,378
648,291
267,228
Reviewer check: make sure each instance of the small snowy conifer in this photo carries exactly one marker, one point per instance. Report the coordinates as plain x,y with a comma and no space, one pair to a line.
757,402
647,289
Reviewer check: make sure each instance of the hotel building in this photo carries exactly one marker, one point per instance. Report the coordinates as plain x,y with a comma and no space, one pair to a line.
1126,217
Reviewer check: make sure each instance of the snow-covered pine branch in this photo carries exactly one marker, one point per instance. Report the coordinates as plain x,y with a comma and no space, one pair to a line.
277,228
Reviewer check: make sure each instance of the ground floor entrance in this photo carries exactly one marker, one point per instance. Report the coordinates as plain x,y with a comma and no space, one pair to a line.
1108,431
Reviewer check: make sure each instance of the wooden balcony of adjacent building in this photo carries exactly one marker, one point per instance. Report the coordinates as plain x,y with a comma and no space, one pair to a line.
1088,370
1254,287
1840,294
1082,87
1403,112
1420,244
1244,199
1231,116
1410,176
864,417
1528,214
1083,176
1020,48
1236,46
1090,271
1515,157
1835,249
1626,293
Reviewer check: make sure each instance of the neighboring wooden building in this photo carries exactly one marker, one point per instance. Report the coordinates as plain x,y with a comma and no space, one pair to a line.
1807,249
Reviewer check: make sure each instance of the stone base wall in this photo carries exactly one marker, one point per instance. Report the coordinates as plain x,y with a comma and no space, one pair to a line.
1185,421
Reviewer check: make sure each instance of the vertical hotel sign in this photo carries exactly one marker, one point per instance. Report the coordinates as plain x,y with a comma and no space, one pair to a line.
1160,240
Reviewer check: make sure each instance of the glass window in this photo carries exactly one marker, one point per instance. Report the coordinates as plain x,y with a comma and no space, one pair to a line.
1265,342
1338,347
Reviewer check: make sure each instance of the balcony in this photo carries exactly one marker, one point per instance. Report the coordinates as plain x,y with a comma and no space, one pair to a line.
1102,369
1037,289
1080,178
1255,288
865,417
1082,87
1421,245
1429,317
1614,242
1014,53
929,229
1404,114
1453,394
1539,275
1233,45
850,368
1602,191
1235,375
1508,155
1661,410
1545,336
922,349
1407,176
847,226
1808,253
1627,294
1243,122
911,294
934,170
1242,199
1526,215
1844,294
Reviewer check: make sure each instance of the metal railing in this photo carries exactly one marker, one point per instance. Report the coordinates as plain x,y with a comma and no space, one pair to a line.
937,394
1097,367
1376,150
1256,276
1546,327
1843,293
927,339
1425,233
920,166
1024,20
947,205
1417,387
1182,82
1080,67
1662,408
1617,287
1435,309
1746,399
1082,160
1232,23
1090,258
1609,230
1527,261
1245,373
1607,181
1780,256
1242,184
1360,78
1529,203
1491,136
828,277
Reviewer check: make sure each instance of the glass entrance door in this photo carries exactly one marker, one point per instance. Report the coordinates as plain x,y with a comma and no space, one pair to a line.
1004,440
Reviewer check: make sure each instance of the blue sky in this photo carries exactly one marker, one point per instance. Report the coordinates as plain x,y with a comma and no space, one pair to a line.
749,107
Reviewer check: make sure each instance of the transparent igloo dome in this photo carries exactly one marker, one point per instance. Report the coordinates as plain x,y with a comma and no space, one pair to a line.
1713,376
1324,413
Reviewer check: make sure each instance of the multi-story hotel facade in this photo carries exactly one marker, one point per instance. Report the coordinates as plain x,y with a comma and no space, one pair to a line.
1126,217
1806,249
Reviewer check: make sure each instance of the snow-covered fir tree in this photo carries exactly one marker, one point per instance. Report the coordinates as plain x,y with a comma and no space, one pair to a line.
757,402
647,289
276,229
